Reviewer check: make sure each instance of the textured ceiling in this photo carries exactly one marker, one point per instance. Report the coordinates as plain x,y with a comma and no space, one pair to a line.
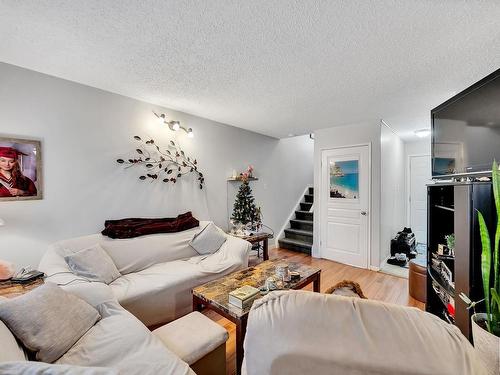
275,67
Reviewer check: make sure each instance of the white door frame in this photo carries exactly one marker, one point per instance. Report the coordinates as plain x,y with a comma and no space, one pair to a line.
370,212
408,188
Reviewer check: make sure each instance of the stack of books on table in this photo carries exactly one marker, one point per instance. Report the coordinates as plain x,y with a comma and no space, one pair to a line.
244,296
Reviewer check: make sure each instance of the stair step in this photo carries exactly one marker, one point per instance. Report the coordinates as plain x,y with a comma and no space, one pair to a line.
311,190
296,245
303,215
299,234
309,198
300,231
301,224
305,206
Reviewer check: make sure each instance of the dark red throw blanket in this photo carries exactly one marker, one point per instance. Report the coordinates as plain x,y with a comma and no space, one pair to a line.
135,227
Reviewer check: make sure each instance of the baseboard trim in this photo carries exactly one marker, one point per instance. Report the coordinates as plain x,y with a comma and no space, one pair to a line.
384,261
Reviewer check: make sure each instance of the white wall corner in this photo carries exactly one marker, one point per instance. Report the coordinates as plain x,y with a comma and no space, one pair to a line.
384,261
393,189
315,253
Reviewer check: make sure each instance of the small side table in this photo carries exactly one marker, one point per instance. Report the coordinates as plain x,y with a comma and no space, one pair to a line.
257,238
8,289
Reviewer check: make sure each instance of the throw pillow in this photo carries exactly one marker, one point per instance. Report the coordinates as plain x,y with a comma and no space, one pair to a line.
209,240
94,264
48,320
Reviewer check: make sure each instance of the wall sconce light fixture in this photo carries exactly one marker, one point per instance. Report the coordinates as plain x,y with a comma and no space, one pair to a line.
173,125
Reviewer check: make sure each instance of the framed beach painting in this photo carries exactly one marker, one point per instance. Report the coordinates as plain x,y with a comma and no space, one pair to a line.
344,179
20,169
442,166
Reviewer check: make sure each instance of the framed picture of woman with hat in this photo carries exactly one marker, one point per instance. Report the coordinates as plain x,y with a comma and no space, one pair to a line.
20,169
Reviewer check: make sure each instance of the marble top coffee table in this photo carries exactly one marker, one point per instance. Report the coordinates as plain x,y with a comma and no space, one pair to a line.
215,294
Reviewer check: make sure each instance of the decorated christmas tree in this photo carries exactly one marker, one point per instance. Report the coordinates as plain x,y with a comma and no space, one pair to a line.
244,210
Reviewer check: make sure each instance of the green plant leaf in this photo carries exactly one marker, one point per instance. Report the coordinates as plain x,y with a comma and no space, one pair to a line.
485,264
495,312
495,298
495,174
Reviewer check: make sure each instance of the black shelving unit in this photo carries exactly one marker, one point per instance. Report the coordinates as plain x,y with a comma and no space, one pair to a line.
451,208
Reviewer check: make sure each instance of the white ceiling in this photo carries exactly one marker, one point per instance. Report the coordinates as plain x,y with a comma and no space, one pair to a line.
275,67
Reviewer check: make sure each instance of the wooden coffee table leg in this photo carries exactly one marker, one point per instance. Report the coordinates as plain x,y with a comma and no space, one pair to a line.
265,252
241,328
317,283
197,304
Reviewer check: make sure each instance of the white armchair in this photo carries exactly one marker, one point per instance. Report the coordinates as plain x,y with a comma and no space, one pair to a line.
299,332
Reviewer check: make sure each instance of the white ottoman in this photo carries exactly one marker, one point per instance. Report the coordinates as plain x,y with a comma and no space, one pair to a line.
198,341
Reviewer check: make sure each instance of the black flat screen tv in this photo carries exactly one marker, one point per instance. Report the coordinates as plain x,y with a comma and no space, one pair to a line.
466,131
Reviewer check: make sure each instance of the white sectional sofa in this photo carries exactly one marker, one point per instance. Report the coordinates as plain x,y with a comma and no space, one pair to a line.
158,271
117,344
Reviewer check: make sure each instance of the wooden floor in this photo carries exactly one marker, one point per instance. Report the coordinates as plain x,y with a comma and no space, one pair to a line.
375,285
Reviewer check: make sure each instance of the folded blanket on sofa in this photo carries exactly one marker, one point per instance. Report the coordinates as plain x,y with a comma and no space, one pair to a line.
135,227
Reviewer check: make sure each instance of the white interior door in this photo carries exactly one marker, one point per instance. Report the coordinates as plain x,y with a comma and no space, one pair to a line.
419,177
345,202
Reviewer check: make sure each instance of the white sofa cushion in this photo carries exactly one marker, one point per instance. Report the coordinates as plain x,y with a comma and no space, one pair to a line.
208,240
160,293
192,336
94,264
94,294
120,341
299,332
42,368
11,350
232,252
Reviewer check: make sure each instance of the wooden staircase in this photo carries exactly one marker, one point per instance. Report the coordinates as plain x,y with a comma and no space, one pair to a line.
299,237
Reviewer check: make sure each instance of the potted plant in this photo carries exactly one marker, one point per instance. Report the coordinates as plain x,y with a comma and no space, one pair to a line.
450,242
486,326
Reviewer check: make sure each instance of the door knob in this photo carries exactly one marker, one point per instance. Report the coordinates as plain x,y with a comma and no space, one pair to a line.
363,213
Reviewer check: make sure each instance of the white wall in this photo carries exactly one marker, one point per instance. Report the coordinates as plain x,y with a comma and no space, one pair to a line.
393,187
84,130
420,147
352,134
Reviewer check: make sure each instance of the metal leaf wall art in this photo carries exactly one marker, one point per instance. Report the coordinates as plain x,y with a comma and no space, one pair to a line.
167,165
